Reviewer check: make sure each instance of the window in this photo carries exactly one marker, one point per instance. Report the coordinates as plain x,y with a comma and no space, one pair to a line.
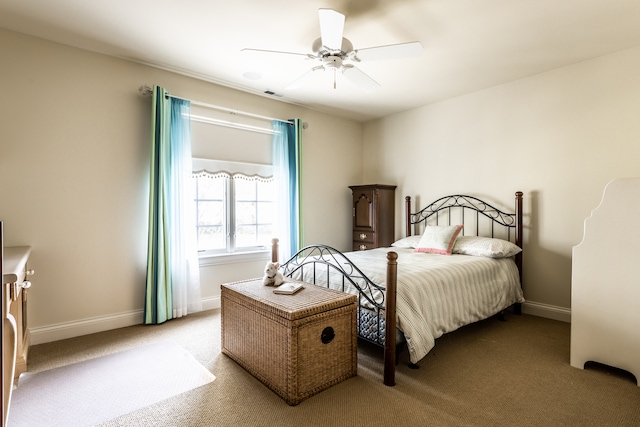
234,211
232,168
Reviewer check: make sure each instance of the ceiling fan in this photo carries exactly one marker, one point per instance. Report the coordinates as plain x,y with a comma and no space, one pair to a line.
336,53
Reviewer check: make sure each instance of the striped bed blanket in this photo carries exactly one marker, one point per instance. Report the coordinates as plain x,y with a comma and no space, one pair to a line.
437,293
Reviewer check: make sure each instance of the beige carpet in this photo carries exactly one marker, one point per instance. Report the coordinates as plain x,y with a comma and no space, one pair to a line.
93,391
513,373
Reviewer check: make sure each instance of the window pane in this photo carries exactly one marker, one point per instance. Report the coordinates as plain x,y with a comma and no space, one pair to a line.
245,189
265,213
245,213
211,238
211,188
264,235
265,190
253,207
246,236
210,207
211,213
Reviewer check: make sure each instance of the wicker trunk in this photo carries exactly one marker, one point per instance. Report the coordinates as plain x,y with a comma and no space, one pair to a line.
297,345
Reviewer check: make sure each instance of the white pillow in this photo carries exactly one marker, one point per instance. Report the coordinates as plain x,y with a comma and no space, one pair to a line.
408,242
438,239
485,246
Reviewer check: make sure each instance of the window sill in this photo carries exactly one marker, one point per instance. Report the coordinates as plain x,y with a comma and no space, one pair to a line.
238,257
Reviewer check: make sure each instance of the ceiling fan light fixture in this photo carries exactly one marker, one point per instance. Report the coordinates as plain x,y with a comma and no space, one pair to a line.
332,62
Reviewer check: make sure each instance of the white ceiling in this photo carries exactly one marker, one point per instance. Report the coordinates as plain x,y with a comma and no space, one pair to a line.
469,44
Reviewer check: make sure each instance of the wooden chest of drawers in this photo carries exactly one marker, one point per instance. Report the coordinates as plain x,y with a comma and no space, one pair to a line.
15,279
373,216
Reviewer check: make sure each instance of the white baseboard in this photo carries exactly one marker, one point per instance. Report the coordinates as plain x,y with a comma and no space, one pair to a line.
61,331
547,311
211,303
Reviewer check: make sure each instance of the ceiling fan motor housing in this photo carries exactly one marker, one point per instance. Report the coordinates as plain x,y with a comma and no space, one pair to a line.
324,51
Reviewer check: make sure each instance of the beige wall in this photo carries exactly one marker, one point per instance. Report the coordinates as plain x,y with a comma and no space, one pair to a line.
559,137
74,155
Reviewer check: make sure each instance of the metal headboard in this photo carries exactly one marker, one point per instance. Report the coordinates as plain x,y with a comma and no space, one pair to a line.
462,209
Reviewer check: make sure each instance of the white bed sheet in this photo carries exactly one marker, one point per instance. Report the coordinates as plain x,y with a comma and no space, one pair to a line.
439,293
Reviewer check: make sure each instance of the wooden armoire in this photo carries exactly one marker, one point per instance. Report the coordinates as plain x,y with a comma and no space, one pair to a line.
373,216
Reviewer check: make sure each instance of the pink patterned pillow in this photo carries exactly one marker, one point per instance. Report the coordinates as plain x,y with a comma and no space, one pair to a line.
438,239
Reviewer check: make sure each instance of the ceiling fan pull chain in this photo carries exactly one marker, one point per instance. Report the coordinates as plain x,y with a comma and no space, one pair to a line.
334,78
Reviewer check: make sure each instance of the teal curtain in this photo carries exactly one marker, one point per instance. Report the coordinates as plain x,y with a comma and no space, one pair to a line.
287,140
173,277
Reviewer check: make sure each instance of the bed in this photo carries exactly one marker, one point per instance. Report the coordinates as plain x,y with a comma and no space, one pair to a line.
461,262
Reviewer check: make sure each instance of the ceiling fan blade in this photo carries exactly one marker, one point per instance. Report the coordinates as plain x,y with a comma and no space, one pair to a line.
303,79
359,78
331,28
270,53
393,51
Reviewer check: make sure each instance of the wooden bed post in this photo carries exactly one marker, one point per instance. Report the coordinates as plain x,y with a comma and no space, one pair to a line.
274,250
519,243
519,218
407,203
390,313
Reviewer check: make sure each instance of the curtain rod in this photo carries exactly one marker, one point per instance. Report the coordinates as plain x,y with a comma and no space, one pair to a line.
147,91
